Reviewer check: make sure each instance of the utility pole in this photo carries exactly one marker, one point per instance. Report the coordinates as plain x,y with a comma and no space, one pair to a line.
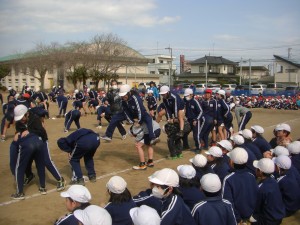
205,72
289,56
250,76
171,65
241,71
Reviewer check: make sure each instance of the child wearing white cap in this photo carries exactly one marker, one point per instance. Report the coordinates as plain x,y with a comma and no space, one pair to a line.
239,187
189,185
77,197
120,201
269,207
199,162
247,134
259,140
217,163
283,132
294,149
288,184
93,215
144,215
213,210
165,187
151,103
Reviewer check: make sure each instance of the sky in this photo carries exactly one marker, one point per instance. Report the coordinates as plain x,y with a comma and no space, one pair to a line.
234,29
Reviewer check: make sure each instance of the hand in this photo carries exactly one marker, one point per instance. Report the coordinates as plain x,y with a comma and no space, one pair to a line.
136,124
194,123
215,122
24,133
69,156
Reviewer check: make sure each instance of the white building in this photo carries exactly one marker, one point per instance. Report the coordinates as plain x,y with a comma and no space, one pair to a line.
288,71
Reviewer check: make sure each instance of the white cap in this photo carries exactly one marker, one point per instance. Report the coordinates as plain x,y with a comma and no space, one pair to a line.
232,105
294,147
258,129
188,92
93,215
28,89
78,193
283,126
19,112
53,86
164,89
165,176
238,156
97,107
199,160
124,89
116,184
283,162
211,183
76,91
88,90
247,134
144,215
214,151
237,103
265,165
238,139
225,144
280,150
150,91
9,88
186,171
221,92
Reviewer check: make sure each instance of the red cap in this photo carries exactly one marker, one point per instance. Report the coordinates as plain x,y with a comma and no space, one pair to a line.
26,95
208,91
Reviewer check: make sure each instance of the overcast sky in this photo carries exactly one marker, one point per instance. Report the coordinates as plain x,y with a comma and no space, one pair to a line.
254,29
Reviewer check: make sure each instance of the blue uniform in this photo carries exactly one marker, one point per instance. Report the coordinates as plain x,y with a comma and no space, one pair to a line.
146,198
80,96
8,112
151,102
209,115
191,196
221,168
120,212
251,158
82,143
68,219
253,148
72,115
175,211
155,91
212,211
269,207
240,189
134,109
172,105
296,161
289,188
93,95
193,113
62,103
21,153
201,171
262,144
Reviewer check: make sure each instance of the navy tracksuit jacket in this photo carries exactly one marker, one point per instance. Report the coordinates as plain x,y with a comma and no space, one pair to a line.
240,189
221,168
175,211
296,161
269,207
151,102
200,172
146,198
191,196
82,143
72,115
262,144
253,148
214,210
224,115
172,105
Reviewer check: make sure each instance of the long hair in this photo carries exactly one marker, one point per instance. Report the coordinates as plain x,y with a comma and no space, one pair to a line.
120,198
194,182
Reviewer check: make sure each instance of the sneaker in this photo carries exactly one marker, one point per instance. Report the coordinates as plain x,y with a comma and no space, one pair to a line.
124,137
105,138
140,167
150,164
66,131
154,141
78,181
18,196
28,179
99,127
60,184
179,156
92,179
2,138
186,148
172,157
43,191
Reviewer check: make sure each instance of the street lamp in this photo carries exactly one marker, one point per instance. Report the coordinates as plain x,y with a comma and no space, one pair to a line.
170,67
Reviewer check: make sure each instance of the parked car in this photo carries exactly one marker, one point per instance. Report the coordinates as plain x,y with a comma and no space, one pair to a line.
291,90
214,87
274,89
200,88
258,89
228,88
241,87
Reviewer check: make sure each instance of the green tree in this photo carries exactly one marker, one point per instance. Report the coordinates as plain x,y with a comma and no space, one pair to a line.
79,74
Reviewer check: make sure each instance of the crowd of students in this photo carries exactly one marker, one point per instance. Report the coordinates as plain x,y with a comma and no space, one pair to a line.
219,186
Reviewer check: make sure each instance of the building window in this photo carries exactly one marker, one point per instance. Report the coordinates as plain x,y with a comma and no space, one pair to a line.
161,72
161,61
230,69
153,60
16,80
24,80
152,72
201,69
32,79
9,80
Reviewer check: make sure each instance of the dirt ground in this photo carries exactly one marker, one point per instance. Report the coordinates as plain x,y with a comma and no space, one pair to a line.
115,158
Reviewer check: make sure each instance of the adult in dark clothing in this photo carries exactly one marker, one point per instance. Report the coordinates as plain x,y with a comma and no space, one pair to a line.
115,102
72,115
26,120
8,118
82,143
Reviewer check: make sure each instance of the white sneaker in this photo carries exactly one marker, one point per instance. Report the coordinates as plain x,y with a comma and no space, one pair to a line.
105,138
124,137
154,141
99,127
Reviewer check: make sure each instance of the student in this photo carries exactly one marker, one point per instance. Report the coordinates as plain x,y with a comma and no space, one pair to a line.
165,187
247,134
104,111
239,187
269,207
120,201
76,197
93,100
288,184
294,150
173,140
226,147
93,215
217,163
144,215
199,162
213,210
62,103
189,185
8,118
72,115
82,143
283,132
151,103
259,140
242,114
141,135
